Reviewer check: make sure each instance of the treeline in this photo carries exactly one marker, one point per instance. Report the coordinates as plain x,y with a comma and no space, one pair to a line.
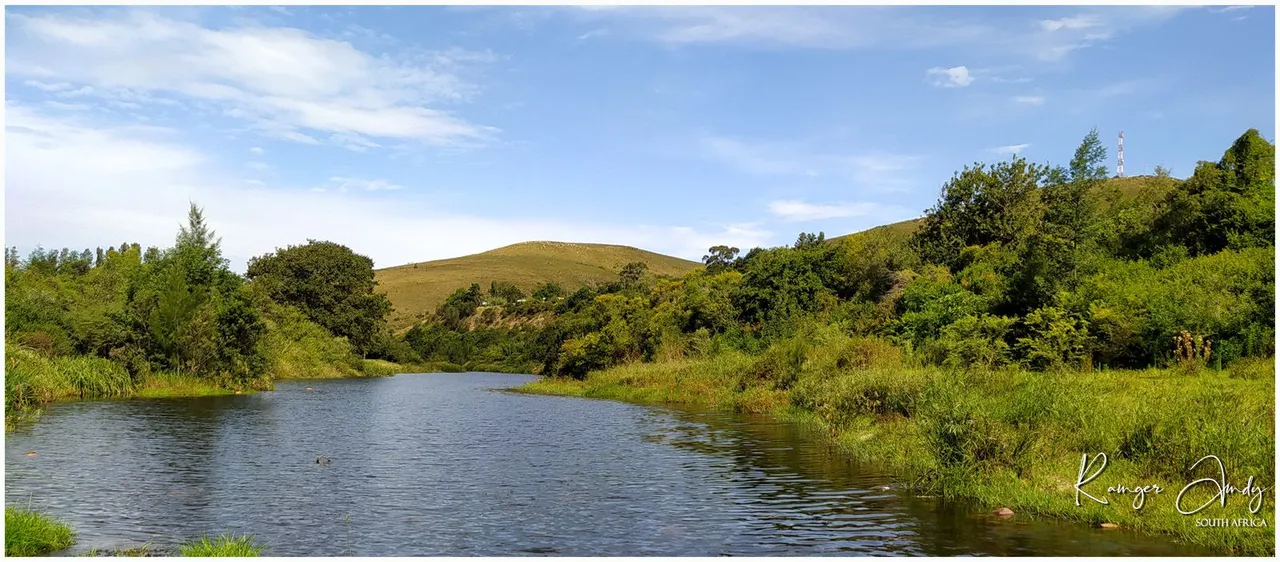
1018,263
104,322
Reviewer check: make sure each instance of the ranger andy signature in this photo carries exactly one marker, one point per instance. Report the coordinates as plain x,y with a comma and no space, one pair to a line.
1218,485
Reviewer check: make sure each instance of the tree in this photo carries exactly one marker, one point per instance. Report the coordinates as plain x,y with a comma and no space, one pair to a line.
1087,163
981,205
197,249
808,239
548,290
506,291
1067,232
331,284
632,273
1227,204
719,258
1162,172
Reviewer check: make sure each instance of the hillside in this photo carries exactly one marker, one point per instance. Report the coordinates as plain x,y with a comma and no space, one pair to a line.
416,289
1149,188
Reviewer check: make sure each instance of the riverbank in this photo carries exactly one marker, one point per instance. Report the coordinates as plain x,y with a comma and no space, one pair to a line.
1005,438
28,532
33,380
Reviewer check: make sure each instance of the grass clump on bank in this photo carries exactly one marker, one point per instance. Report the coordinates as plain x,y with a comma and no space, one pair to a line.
30,533
33,379
222,545
1004,437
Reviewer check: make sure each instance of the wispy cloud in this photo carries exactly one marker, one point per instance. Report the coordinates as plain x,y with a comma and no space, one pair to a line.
344,183
1054,39
257,150
878,27
875,170
794,26
283,82
55,205
1029,100
954,77
799,210
1010,149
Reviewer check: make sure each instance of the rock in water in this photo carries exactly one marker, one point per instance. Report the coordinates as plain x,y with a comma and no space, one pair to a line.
1004,512
1108,526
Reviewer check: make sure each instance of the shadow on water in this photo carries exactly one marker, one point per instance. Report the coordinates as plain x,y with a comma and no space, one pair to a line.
793,467
430,465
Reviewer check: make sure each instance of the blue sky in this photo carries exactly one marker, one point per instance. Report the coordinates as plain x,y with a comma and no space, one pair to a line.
415,133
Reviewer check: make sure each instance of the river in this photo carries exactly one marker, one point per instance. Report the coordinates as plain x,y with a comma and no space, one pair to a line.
453,464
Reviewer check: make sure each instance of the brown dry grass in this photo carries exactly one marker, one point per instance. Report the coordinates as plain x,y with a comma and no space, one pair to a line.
417,289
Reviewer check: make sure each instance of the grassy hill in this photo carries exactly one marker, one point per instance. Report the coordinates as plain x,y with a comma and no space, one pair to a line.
416,289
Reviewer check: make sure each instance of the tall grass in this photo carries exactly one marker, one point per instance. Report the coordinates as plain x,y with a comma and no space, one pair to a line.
222,545
32,380
1002,437
30,533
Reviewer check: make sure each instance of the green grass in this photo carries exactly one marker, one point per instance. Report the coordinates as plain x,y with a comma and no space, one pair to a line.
32,380
1003,438
222,545
30,533
417,289
169,385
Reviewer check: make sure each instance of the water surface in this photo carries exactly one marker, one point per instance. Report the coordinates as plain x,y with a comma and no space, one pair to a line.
450,464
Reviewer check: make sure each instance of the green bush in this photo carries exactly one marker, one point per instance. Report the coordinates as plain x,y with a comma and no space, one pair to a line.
30,533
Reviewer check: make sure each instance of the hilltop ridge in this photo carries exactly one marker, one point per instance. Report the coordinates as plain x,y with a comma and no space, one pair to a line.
416,289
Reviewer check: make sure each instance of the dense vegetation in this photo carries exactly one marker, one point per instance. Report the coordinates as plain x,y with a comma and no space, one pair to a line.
1036,313
1048,268
126,322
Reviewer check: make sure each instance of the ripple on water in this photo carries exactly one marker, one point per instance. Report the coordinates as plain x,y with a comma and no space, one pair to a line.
432,465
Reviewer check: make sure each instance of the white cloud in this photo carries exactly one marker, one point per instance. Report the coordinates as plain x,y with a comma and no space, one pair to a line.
344,184
816,27
134,183
259,165
257,150
1077,22
872,170
1054,39
48,87
798,210
1029,100
873,27
954,77
66,106
284,82
1010,149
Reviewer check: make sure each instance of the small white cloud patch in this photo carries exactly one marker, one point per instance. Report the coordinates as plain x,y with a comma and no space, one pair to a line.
1029,100
796,210
1010,148
367,185
954,77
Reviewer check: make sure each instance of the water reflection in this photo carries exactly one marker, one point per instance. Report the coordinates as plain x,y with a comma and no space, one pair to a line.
816,498
446,465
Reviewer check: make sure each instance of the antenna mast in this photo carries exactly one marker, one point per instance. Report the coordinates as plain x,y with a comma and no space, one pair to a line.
1120,157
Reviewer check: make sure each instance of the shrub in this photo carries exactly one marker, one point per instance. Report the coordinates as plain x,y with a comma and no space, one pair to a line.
977,341
1054,340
